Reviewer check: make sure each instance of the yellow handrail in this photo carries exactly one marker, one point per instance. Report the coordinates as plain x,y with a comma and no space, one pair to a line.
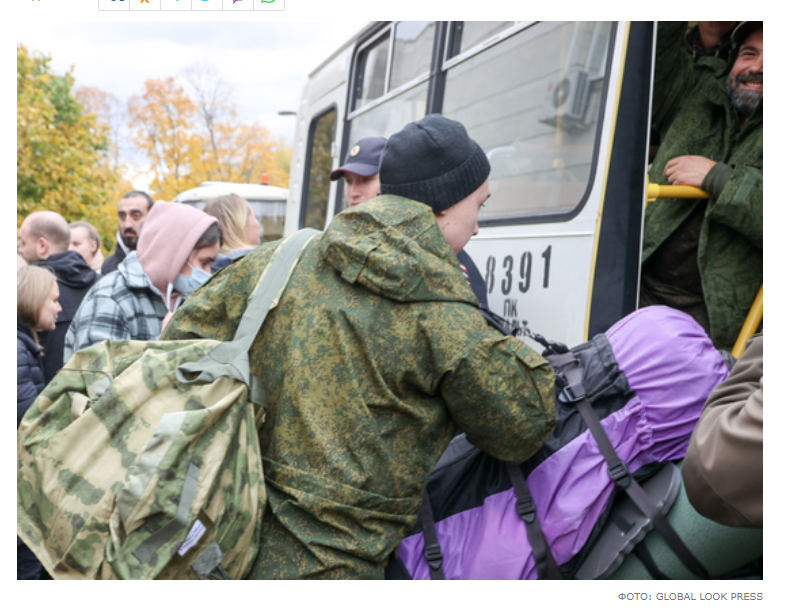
749,326
667,191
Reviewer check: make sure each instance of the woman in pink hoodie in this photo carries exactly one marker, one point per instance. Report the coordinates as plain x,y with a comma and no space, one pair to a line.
173,257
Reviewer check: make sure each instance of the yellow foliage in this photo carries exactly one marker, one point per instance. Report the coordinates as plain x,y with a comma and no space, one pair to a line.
61,150
185,148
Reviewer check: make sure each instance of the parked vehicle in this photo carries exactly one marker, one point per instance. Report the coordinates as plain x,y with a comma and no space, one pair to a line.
268,202
562,110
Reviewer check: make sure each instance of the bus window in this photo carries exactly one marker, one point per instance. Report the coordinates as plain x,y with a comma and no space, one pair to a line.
466,34
412,51
532,102
317,171
371,71
392,115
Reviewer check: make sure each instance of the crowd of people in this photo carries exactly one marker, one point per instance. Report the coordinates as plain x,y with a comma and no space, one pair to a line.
395,259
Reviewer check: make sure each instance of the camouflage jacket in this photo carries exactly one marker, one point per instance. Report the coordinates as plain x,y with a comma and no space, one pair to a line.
374,358
730,243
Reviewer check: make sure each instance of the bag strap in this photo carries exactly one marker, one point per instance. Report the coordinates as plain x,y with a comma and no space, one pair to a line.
574,393
546,565
231,358
432,550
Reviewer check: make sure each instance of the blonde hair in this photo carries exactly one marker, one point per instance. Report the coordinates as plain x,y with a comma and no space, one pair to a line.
33,285
232,212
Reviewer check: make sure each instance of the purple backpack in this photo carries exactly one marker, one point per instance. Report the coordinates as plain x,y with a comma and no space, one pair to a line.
645,380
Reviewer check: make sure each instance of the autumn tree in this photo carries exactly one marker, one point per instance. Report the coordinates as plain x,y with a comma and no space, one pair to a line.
162,127
61,151
192,138
110,112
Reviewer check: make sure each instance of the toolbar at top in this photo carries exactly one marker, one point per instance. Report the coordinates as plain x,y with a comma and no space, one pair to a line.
191,5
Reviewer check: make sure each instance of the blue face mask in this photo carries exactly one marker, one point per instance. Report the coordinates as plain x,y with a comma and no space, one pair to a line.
186,285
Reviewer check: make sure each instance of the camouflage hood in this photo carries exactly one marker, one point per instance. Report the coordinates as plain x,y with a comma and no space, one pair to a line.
393,247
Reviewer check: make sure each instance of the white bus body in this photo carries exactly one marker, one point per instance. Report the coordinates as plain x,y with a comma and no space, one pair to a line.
562,110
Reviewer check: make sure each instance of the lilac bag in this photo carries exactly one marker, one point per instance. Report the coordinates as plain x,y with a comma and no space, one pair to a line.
647,378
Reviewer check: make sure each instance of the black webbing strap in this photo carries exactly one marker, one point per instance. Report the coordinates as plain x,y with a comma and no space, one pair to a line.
574,392
545,561
432,550
641,551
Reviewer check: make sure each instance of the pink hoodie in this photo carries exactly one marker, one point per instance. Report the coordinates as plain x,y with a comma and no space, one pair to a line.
170,232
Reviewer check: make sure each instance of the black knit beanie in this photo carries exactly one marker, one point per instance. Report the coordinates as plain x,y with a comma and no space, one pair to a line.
433,161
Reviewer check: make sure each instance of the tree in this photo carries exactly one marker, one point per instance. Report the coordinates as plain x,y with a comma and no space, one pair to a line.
61,151
162,126
190,140
110,112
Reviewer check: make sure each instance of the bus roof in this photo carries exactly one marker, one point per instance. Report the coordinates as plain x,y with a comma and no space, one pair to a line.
209,190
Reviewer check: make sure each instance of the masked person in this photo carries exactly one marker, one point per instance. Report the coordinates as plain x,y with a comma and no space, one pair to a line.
374,357
173,258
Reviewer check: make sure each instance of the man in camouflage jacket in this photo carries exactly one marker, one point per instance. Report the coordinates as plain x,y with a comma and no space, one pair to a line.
374,358
705,256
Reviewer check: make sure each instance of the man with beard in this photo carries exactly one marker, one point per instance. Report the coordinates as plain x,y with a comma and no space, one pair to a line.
702,256
133,208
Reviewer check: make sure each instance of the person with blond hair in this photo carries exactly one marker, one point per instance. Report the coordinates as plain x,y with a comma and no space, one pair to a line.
86,240
240,228
37,309
44,239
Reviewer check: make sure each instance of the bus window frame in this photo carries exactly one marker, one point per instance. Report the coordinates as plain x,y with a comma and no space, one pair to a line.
307,164
437,77
449,62
542,217
355,82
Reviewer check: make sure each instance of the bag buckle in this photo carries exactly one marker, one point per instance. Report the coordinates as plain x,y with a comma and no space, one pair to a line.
434,555
568,396
620,474
526,509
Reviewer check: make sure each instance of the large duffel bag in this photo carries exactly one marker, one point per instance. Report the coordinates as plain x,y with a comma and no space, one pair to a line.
141,460
646,380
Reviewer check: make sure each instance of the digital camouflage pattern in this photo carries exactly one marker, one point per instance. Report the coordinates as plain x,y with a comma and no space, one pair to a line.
102,466
373,359
697,118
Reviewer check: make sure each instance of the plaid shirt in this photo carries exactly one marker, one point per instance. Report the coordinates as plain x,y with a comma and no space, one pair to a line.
121,305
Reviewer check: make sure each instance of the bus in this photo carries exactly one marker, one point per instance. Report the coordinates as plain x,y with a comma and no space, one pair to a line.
268,202
562,110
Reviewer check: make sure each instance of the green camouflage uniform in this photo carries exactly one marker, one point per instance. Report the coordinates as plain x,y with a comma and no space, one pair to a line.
697,118
374,358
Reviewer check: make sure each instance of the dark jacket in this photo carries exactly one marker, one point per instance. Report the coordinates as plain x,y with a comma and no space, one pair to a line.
374,356
723,469
74,279
474,277
112,262
29,370
703,122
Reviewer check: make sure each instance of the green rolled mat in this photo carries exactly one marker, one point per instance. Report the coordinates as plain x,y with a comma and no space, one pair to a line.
719,548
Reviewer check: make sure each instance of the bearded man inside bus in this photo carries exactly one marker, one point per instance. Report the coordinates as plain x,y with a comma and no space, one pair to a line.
374,357
704,256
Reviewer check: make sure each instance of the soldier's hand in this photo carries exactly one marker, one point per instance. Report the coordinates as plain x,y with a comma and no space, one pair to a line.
688,170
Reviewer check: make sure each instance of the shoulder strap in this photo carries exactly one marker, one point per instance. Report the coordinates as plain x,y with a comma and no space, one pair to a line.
432,550
574,392
546,565
231,358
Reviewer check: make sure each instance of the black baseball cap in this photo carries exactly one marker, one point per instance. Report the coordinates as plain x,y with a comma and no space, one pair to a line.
743,29
363,158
